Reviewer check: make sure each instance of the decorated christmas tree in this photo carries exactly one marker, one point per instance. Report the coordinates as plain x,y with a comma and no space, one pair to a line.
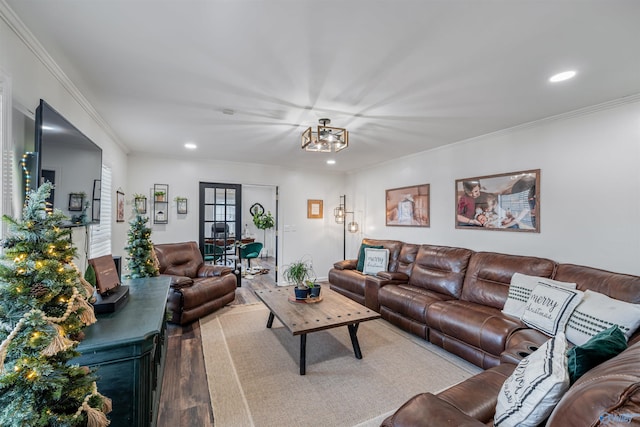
43,310
141,260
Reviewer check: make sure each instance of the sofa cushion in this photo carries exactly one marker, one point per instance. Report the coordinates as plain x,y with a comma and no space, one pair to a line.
599,348
548,308
362,254
520,290
440,269
179,259
409,301
375,260
479,326
598,312
488,276
536,385
477,396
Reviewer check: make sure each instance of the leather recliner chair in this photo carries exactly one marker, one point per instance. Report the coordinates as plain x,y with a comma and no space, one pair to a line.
197,289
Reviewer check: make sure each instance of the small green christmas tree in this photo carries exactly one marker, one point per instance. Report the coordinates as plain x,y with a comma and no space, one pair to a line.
141,260
43,310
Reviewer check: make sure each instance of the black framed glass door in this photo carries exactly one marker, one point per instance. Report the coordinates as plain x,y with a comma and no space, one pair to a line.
220,224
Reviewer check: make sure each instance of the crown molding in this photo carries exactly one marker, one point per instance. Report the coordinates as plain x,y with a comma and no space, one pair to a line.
20,29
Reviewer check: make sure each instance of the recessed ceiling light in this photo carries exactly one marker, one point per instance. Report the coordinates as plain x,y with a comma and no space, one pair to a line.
331,162
190,146
560,77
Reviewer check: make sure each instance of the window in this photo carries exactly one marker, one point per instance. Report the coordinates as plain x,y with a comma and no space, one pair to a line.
101,233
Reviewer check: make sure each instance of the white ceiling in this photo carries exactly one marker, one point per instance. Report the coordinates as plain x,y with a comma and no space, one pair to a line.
402,76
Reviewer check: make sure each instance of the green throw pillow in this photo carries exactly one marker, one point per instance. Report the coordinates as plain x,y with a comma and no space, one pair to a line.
598,349
360,265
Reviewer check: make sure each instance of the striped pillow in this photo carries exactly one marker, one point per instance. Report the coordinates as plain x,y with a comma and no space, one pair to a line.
598,312
535,387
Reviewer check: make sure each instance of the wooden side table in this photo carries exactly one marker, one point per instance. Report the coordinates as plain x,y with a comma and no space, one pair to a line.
128,349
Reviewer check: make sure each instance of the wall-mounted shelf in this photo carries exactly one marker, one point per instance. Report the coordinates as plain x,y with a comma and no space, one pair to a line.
160,203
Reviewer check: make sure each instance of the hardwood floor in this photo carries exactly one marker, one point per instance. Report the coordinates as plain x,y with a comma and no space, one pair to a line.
184,401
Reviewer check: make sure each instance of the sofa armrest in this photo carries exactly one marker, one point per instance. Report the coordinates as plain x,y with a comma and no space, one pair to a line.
207,270
179,282
347,264
396,277
522,343
428,410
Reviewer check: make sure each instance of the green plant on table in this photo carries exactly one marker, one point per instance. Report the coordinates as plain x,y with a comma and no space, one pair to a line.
300,272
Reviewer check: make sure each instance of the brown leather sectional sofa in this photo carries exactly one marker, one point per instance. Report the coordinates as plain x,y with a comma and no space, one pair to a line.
453,298
197,289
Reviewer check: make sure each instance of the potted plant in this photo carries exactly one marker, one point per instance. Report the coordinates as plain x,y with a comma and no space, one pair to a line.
300,272
264,221
140,203
314,288
159,195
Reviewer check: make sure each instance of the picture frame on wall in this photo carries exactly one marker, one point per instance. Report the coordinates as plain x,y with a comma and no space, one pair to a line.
408,206
315,209
119,206
181,206
75,201
140,203
501,202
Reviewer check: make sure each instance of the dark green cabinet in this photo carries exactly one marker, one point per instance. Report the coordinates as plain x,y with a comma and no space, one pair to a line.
128,349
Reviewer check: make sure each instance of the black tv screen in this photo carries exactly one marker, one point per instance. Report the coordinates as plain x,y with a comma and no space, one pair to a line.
71,162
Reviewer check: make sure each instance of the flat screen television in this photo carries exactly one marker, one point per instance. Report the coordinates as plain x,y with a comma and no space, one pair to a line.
71,162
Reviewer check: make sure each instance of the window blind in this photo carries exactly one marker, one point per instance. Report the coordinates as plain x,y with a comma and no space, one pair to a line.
101,233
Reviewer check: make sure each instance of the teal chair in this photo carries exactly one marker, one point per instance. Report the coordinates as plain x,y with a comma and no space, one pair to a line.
250,251
212,252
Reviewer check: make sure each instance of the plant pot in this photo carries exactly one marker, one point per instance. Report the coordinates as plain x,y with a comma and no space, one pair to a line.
315,291
301,293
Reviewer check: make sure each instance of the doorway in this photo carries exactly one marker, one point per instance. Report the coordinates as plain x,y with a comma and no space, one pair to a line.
220,224
262,198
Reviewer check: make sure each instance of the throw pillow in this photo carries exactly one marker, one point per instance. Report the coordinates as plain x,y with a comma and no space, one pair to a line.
534,388
520,290
360,265
375,260
548,308
598,349
598,312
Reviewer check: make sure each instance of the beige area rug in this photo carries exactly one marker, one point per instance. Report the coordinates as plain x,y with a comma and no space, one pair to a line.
254,380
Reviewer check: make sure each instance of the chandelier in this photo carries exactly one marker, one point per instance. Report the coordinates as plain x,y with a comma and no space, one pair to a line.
326,139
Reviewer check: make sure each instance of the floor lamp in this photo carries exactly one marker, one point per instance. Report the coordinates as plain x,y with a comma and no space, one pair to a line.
340,214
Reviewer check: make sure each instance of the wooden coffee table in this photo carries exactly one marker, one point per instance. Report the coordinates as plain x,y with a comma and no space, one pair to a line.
301,318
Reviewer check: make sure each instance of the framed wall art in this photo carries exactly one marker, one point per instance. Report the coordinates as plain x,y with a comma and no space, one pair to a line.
119,206
408,206
140,203
75,201
181,205
506,202
314,209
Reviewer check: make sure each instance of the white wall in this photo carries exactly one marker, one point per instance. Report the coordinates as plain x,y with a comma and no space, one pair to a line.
321,239
590,188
